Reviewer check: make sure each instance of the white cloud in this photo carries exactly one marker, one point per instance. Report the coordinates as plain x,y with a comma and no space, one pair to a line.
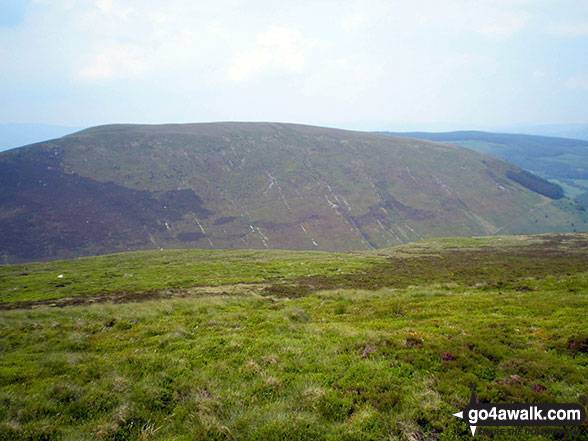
538,74
277,48
353,22
121,40
491,19
249,63
503,27
104,5
343,80
284,38
114,61
569,29
111,13
485,18
578,81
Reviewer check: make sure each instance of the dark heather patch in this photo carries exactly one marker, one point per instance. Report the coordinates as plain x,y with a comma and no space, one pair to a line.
493,266
190,236
179,202
48,213
113,297
224,220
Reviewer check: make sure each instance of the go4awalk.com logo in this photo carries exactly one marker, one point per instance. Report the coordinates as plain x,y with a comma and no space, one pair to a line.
553,414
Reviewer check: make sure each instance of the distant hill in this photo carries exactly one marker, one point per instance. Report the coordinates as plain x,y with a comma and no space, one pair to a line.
575,131
259,185
16,135
561,160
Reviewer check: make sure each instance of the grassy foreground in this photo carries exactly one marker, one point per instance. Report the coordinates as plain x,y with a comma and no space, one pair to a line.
296,346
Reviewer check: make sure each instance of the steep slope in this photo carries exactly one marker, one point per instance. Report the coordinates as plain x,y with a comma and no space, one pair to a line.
560,160
255,185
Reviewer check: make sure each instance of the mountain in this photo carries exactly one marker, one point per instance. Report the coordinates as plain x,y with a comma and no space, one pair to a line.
15,135
561,160
259,185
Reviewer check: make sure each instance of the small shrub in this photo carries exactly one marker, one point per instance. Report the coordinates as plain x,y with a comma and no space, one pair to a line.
334,407
299,315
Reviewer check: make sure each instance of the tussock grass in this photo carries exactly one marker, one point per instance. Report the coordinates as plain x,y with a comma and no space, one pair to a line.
144,272
340,363
251,368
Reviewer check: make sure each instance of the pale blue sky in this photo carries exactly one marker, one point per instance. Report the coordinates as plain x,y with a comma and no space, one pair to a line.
371,65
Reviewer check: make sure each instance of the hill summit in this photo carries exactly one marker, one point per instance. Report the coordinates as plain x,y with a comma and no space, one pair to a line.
259,185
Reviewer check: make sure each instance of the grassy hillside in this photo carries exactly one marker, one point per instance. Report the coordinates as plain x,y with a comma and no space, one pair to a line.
561,160
582,199
292,346
254,185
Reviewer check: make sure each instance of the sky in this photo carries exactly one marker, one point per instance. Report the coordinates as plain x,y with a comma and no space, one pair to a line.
368,65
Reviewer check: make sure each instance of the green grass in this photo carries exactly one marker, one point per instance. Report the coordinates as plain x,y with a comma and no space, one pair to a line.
147,271
384,351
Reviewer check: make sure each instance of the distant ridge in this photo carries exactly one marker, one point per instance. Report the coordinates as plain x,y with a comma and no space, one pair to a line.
257,185
561,160
574,131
